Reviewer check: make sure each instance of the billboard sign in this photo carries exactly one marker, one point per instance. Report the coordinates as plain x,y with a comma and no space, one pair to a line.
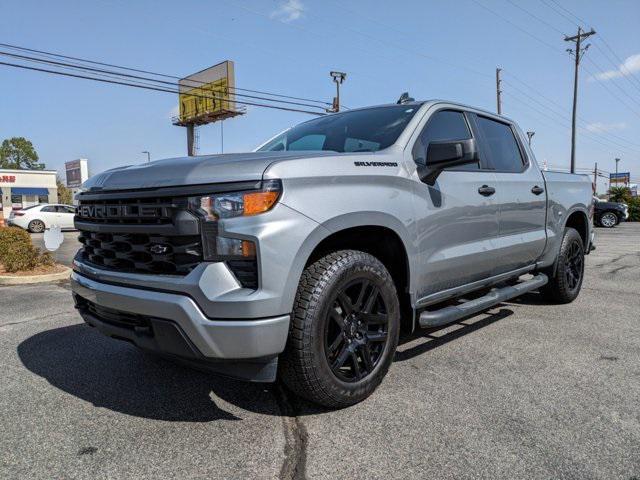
207,96
619,179
76,172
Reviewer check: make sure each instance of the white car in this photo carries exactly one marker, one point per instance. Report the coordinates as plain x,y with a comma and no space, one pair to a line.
39,217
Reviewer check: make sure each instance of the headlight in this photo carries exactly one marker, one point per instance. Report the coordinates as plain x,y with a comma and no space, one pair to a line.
237,204
219,206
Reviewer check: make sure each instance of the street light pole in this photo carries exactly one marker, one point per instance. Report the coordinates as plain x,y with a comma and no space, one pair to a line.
148,156
530,136
338,78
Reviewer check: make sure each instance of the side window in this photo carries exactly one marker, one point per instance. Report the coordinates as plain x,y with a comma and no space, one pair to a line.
359,145
308,142
501,145
443,125
49,209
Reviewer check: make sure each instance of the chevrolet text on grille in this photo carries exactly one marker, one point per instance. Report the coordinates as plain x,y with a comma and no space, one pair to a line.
119,211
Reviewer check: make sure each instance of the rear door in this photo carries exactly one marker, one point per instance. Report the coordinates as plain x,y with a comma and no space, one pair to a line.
520,194
48,214
66,216
456,218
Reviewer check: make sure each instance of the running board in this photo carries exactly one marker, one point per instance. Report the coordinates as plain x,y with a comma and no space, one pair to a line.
435,318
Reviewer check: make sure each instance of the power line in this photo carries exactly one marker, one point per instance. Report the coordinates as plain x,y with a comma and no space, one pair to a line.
164,75
112,73
565,126
536,17
613,83
628,75
158,89
556,111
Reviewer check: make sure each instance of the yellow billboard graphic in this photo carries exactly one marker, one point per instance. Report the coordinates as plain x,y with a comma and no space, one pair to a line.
207,96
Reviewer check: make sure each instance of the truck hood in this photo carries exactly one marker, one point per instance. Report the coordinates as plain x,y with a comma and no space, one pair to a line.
617,205
204,169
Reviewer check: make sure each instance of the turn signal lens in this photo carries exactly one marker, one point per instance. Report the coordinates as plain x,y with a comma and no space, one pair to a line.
259,202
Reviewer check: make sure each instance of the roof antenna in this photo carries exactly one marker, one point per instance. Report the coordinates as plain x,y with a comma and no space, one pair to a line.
405,98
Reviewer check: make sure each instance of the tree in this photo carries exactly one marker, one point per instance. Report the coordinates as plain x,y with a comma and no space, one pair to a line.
64,194
18,153
619,194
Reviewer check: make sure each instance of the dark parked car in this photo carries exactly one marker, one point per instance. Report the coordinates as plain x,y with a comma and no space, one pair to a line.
609,214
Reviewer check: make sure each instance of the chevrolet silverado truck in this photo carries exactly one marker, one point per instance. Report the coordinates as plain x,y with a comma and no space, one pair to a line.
305,259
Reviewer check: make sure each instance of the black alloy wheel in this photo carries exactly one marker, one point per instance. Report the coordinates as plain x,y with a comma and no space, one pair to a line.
344,329
356,331
565,278
574,265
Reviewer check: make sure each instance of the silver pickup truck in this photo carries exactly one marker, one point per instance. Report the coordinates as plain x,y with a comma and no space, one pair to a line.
305,259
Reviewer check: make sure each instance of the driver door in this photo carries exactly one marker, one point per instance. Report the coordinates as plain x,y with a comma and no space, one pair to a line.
457,217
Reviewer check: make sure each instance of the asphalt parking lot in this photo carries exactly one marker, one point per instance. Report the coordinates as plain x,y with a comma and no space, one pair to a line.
525,390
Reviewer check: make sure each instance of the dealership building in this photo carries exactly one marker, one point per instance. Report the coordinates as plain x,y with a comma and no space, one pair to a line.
24,188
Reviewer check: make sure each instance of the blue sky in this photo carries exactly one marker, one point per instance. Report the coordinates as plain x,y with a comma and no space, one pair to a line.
433,49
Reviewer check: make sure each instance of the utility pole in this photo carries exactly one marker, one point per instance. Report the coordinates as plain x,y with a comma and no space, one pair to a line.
595,179
530,136
338,78
499,91
148,155
578,53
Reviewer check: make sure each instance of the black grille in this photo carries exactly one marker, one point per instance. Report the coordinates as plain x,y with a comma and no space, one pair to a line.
246,271
114,317
142,253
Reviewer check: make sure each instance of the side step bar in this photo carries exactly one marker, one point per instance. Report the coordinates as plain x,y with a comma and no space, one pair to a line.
435,318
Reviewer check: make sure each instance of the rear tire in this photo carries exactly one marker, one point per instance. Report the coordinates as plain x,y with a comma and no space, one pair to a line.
344,330
565,285
36,226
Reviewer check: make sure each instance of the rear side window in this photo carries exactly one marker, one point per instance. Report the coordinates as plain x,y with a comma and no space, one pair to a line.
501,145
49,209
443,125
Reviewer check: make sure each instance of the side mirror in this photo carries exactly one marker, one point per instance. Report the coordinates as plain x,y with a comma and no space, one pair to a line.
447,154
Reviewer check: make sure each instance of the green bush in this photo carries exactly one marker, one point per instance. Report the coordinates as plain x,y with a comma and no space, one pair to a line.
18,253
634,209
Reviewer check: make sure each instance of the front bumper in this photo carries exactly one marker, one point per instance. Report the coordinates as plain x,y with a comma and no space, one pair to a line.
174,316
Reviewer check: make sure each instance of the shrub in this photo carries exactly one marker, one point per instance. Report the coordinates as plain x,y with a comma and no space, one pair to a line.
634,209
18,253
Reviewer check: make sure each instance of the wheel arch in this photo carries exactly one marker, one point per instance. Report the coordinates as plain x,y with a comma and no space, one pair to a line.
579,221
374,233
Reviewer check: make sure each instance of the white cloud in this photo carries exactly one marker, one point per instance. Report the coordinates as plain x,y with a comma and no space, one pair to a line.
629,66
600,127
289,11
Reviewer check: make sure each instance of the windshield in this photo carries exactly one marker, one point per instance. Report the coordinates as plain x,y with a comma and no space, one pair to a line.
366,130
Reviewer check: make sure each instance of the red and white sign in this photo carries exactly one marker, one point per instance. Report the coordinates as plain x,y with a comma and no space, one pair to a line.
7,179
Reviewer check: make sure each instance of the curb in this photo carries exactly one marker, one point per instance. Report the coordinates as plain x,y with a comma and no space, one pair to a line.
23,280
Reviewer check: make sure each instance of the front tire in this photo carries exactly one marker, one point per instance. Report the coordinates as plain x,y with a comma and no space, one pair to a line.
609,220
344,330
36,226
564,286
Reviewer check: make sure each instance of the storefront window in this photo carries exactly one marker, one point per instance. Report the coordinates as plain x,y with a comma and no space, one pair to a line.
16,202
43,198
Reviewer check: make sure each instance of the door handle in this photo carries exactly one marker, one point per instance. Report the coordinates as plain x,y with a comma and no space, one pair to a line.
486,190
537,190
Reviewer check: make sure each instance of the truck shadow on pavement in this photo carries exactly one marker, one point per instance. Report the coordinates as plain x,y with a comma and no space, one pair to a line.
441,335
117,376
